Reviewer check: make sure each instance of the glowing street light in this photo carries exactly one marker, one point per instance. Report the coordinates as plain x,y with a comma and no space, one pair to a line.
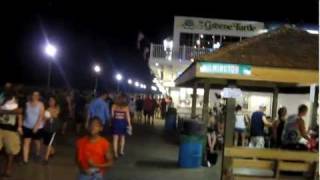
51,51
118,78
129,81
97,70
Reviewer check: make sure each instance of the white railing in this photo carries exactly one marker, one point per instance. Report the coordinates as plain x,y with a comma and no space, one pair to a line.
180,53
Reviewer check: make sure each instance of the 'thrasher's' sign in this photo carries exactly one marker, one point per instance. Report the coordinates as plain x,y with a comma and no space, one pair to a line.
218,26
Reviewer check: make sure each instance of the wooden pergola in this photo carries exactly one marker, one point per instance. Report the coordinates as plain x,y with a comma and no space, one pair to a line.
283,60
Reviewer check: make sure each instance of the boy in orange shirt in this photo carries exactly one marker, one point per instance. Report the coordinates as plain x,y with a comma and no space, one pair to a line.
93,153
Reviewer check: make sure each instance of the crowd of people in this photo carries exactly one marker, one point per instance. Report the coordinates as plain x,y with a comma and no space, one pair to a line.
261,131
33,119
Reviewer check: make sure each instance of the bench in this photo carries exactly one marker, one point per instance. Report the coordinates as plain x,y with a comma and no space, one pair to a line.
273,160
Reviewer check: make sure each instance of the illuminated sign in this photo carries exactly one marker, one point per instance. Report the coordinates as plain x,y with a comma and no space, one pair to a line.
218,26
224,68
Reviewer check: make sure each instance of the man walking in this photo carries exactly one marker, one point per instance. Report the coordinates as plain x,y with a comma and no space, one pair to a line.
10,128
139,108
99,107
258,122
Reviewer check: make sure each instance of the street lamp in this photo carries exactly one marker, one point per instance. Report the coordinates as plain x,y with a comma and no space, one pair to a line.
118,78
50,50
137,84
97,71
129,81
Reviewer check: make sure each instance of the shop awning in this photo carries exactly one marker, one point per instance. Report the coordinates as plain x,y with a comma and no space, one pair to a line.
285,57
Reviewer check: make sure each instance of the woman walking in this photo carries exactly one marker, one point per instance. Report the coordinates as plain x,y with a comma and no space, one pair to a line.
32,126
240,127
121,123
50,127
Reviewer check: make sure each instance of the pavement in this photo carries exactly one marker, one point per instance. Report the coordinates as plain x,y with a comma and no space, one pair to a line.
149,155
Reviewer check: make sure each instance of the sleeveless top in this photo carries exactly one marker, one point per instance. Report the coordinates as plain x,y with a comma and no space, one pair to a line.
120,115
291,133
32,115
50,124
240,124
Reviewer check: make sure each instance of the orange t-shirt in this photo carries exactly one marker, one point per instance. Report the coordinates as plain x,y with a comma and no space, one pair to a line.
96,151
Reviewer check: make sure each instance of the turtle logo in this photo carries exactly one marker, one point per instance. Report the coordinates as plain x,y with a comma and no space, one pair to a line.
188,24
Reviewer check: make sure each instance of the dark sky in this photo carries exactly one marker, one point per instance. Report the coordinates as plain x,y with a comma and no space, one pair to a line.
106,32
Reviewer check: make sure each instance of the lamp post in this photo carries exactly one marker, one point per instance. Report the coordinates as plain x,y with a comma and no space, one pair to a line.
118,78
51,51
97,70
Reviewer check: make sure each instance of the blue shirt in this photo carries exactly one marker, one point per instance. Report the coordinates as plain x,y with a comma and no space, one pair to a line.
100,108
257,126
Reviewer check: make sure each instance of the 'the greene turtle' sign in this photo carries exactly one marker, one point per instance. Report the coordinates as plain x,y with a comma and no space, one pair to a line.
224,68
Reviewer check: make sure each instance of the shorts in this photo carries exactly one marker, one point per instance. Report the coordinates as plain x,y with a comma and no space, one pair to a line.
47,136
96,176
257,142
10,141
239,130
27,133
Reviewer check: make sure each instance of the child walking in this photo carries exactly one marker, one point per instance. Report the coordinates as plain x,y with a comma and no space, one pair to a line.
93,153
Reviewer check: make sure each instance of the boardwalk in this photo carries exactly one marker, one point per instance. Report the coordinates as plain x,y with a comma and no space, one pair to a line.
149,156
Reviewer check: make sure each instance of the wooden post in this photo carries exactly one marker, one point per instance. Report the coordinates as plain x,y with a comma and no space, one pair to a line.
194,101
314,108
205,107
229,124
275,103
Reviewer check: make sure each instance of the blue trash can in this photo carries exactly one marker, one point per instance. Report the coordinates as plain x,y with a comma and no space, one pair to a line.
190,152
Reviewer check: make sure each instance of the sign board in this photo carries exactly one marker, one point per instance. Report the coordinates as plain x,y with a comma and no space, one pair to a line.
224,68
231,93
218,26
195,25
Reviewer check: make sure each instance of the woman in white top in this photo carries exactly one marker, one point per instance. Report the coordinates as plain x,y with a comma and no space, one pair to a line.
32,125
240,126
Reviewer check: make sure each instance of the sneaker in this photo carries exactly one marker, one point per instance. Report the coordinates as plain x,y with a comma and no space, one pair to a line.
208,164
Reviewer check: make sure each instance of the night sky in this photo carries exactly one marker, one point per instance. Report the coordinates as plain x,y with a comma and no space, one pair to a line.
91,32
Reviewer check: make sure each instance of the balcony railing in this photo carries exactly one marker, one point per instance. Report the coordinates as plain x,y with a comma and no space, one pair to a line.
180,53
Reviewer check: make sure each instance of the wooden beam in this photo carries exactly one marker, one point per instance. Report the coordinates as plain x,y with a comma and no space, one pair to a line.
228,135
314,108
275,102
268,74
277,154
194,100
253,163
205,106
